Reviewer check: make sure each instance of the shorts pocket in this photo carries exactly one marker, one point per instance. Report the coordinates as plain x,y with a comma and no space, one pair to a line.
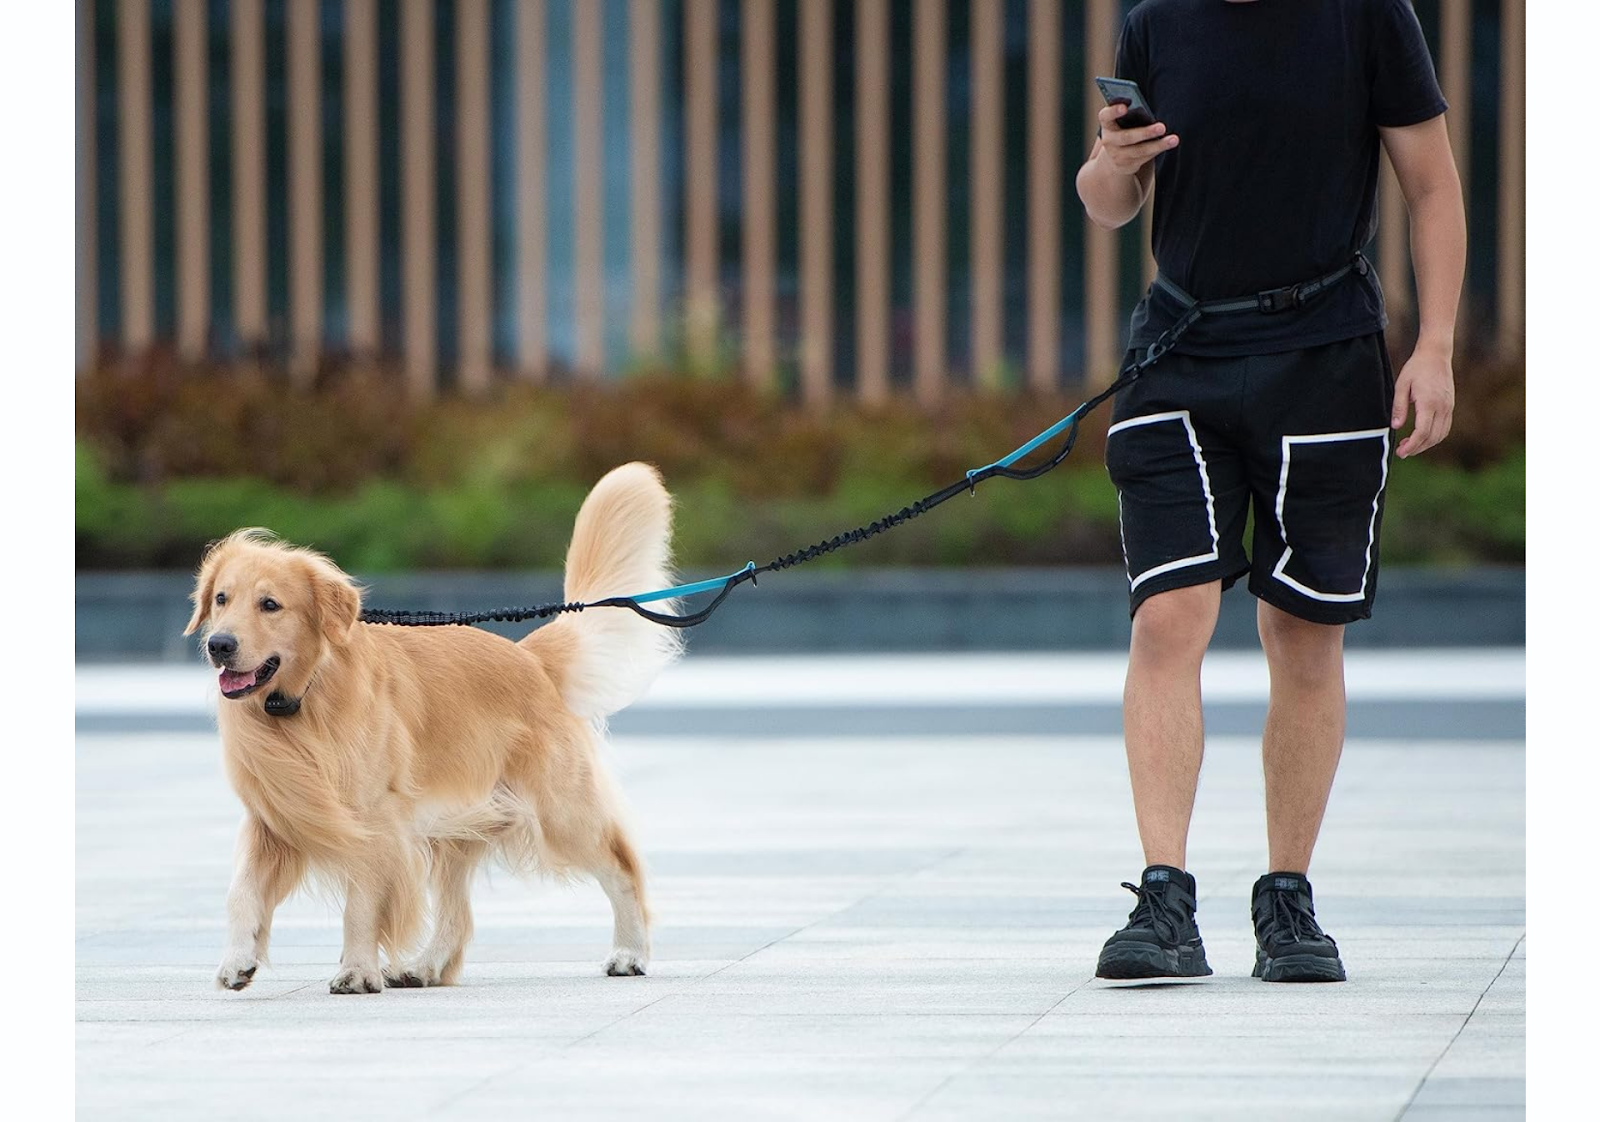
1166,508
1330,494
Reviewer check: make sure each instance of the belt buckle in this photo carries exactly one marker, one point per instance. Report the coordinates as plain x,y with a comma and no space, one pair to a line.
1278,299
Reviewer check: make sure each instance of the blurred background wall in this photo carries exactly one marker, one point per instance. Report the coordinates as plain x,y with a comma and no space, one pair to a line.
401,279
860,197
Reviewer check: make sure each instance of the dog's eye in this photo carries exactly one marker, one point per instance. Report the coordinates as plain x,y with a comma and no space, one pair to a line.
222,597
270,605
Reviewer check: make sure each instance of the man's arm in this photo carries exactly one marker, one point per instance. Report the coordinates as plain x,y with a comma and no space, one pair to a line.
1115,180
1427,172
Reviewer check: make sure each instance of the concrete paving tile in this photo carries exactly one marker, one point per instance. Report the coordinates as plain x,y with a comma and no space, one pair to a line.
1472,1091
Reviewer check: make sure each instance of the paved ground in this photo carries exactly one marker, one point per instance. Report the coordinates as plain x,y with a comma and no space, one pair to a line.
849,926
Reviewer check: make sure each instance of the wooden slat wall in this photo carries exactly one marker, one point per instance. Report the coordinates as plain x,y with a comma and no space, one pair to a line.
587,157
137,177
703,299
361,174
872,200
417,195
247,57
1509,312
305,189
816,202
930,121
532,252
87,280
758,50
474,250
193,175
988,190
760,85
1044,193
644,59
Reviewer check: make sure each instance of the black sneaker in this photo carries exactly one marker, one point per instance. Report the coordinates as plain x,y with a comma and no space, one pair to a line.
1290,946
1161,939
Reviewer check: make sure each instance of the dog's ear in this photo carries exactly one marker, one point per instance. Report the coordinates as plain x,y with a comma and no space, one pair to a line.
205,583
337,601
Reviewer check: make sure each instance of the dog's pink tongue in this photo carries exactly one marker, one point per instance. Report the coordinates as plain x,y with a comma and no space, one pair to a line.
231,680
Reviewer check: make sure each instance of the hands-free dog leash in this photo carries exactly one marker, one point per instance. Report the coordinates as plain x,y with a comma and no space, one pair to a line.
1267,302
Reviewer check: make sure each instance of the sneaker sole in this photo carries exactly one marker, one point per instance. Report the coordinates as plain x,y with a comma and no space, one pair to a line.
1143,960
1298,968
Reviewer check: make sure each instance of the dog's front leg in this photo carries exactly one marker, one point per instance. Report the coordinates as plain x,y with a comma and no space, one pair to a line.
358,964
265,870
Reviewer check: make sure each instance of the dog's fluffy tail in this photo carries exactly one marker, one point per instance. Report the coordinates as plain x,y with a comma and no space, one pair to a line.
605,658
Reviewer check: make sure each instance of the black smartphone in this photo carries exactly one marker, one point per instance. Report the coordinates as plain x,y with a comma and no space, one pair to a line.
1120,91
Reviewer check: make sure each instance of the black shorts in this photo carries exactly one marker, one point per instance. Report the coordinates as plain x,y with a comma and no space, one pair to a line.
1302,435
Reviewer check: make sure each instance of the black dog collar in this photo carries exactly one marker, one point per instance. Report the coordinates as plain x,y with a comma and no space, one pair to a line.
280,704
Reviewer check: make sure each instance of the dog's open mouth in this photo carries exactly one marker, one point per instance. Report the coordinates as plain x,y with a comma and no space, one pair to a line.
238,683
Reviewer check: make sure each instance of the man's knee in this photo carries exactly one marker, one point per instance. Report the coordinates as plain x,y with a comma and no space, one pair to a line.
1297,648
1177,624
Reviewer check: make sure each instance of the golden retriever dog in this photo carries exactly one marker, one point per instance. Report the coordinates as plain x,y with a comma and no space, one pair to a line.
390,762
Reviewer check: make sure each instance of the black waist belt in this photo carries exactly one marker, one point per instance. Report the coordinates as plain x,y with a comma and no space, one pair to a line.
1273,299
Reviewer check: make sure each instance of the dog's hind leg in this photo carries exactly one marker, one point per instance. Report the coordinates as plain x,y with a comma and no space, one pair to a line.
619,872
265,871
439,964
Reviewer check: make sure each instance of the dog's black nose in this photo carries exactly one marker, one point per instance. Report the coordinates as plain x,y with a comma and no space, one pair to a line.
221,647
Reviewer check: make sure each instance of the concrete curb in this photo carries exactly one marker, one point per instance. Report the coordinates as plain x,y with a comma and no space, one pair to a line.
133,616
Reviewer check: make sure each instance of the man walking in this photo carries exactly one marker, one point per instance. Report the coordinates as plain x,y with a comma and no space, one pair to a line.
1264,161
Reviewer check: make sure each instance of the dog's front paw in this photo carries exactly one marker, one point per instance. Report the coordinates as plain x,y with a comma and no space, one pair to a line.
356,979
236,971
413,976
625,963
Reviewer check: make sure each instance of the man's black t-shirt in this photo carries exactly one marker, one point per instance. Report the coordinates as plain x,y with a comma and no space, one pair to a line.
1276,105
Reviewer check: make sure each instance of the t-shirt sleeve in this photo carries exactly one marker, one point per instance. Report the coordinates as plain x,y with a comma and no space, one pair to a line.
1405,89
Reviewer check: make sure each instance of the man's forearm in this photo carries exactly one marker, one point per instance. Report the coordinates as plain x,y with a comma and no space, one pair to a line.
1439,259
1110,198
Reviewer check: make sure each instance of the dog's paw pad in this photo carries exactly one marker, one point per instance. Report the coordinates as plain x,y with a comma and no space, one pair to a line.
356,980
625,964
407,980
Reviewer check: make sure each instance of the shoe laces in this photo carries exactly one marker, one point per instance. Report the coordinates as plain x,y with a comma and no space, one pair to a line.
1296,919
1149,909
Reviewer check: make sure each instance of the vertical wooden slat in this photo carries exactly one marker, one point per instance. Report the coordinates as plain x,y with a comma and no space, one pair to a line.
816,202
929,125
703,302
305,188
1100,328
474,256
589,180
760,68
361,173
247,58
988,189
644,56
417,193
872,200
1044,193
193,178
1455,79
137,183
532,347
87,319
1394,255
1511,212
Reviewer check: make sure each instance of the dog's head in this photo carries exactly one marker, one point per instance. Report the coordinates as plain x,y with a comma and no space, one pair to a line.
270,612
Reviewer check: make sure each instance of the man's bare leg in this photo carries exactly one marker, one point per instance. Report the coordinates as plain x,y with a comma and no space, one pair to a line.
1304,734
1161,715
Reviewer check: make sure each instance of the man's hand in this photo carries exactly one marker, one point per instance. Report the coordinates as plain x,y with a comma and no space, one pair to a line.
1128,150
1427,382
